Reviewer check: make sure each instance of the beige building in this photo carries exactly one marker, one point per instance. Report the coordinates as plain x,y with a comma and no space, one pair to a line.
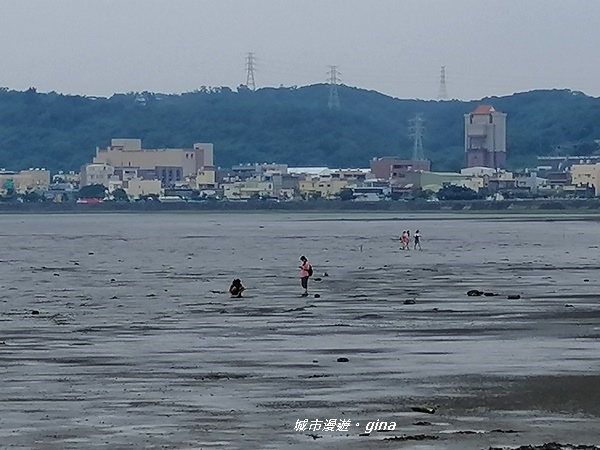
96,173
434,181
327,183
485,138
69,177
323,186
287,194
480,172
25,180
586,175
137,187
245,190
351,174
114,184
205,178
169,165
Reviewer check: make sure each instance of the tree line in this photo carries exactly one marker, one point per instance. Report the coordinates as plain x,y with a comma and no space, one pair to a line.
286,125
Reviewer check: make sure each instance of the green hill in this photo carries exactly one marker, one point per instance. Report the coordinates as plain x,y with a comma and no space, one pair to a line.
288,125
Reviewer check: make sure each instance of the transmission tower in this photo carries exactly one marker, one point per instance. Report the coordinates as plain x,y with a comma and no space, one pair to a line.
443,93
417,129
250,60
334,99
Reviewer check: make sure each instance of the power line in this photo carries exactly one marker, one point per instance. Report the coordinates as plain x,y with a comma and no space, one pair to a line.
416,130
358,73
443,93
412,81
334,98
250,82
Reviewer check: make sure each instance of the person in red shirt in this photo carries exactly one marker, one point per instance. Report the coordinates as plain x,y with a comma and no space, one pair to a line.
305,272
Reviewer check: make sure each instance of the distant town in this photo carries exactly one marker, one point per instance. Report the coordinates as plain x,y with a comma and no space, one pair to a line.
127,172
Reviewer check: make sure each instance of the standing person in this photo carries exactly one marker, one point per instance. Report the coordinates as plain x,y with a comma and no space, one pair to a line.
418,240
305,273
404,240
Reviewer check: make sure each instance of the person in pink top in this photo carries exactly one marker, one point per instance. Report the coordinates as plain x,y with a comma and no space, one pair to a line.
305,273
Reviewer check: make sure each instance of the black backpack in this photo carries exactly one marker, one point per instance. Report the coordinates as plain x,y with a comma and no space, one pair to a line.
310,270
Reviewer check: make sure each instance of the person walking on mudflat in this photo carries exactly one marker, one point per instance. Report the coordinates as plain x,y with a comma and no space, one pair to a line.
404,241
305,274
418,240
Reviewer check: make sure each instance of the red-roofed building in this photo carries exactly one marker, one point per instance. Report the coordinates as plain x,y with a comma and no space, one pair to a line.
484,110
485,138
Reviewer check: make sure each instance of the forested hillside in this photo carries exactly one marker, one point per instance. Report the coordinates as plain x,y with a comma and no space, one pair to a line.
288,125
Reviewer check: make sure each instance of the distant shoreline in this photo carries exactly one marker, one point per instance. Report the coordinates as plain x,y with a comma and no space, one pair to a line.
584,206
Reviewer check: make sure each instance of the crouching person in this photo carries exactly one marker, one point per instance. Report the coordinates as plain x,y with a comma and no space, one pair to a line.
236,288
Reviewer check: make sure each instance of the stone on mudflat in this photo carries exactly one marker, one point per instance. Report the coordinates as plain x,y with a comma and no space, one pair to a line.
474,293
423,409
422,423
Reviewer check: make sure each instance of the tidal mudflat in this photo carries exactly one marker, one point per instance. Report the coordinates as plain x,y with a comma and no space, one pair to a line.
115,332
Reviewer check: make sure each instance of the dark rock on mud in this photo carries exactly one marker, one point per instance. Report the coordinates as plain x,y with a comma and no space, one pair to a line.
410,302
550,446
35,312
474,293
343,359
423,409
514,297
416,437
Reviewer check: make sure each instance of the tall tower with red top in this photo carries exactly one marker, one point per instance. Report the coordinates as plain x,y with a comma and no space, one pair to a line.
485,138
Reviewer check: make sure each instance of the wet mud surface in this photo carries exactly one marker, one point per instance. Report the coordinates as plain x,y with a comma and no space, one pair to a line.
115,332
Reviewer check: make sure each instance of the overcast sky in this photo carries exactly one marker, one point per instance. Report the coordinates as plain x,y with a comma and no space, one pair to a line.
99,47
